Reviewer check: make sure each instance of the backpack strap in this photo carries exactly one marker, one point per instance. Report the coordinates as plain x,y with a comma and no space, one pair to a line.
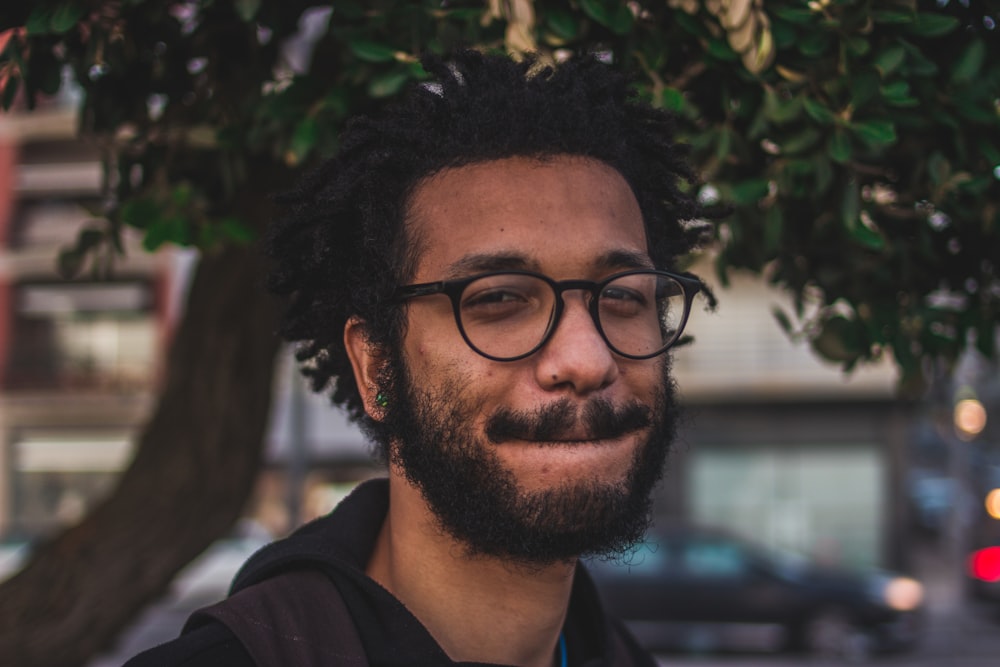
295,618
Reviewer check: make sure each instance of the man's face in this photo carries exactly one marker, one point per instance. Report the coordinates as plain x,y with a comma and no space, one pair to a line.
553,455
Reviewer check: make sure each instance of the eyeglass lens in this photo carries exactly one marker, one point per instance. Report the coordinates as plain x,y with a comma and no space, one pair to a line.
508,315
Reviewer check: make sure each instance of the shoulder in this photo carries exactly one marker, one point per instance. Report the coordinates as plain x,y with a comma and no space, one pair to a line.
211,645
627,650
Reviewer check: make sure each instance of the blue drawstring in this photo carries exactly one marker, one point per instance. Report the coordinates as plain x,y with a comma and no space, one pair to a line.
562,650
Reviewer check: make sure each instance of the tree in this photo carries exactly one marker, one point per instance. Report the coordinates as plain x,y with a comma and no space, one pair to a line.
857,141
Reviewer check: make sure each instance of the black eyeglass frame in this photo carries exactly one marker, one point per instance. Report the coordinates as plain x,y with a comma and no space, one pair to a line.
453,290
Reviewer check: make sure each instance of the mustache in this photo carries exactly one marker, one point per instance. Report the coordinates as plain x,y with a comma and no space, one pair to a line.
555,421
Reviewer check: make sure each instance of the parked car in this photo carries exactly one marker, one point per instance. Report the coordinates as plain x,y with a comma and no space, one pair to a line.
701,579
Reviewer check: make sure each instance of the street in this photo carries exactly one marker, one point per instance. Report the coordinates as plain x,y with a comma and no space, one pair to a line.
958,633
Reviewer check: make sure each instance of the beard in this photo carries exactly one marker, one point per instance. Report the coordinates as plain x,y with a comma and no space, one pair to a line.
476,499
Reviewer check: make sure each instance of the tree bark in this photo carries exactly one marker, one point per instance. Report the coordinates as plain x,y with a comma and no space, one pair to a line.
194,468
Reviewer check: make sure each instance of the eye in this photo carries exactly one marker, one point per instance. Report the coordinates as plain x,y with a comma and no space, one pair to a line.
492,298
627,297
622,294
501,297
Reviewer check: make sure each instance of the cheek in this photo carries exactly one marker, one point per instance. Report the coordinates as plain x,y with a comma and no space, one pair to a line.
644,379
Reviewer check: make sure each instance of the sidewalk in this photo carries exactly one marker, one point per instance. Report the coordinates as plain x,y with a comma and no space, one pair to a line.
956,625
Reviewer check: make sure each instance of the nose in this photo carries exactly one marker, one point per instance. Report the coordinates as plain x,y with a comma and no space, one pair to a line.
576,356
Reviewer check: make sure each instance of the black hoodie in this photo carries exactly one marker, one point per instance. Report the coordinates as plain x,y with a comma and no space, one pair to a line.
339,544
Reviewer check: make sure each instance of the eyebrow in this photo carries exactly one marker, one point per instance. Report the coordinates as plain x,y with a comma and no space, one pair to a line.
483,262
612,260
624,259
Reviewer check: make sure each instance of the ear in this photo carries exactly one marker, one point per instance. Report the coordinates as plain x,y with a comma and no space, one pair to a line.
366,361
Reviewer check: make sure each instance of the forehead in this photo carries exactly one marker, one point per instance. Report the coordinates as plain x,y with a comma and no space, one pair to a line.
561,215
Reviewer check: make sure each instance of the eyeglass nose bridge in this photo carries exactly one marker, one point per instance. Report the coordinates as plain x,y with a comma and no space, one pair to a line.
559,287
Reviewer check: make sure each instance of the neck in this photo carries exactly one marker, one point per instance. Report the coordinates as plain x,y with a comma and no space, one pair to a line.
477,608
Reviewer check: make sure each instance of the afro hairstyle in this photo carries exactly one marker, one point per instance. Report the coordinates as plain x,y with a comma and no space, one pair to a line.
341,248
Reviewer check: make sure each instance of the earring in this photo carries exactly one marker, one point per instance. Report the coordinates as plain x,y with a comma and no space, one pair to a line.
381,400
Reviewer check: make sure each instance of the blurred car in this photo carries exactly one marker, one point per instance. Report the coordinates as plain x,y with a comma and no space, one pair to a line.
930,496
702,578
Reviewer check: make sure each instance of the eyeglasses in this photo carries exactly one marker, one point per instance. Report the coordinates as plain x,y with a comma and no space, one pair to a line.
509,315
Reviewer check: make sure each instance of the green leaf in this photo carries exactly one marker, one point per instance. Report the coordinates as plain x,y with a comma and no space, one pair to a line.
875,133
857,45
247,9
867,237
724,140
990,152
372,52
48,19
182,195
864,87
793,14
814,44
172,229
719,48
891,17
917,64
303,139
69,263
596,10
89,239
822,173
929,24
563,23
774,229
236,230
750,191
387,84
612,14
896,90
850,208
784,35
780,110
969,63
837,340
672,99
938,168
819,112
889,59
66,16
140,213
10,92
800,142
39,20
783,320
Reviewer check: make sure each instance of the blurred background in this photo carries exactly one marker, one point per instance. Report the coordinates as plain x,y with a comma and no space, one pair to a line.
781,448
834,496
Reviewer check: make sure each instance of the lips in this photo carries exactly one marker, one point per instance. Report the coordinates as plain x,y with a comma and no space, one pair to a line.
565,422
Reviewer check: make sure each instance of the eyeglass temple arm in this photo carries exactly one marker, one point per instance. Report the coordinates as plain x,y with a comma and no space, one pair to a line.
698,286
423,289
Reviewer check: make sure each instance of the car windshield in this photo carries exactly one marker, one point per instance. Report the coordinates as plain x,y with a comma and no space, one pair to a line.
696,555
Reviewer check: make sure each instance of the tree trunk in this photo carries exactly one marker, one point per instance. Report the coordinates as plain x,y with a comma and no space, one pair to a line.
193,471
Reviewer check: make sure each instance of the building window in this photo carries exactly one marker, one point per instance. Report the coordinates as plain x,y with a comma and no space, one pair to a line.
81,336
56,477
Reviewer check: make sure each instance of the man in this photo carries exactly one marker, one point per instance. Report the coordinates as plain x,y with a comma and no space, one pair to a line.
483,276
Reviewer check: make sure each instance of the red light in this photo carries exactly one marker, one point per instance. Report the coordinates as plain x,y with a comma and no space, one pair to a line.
985,564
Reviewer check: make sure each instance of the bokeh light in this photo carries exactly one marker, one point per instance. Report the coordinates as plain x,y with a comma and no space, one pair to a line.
970,418
993,503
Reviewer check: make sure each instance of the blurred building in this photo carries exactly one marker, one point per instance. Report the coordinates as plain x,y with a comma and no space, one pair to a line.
782,447
79,359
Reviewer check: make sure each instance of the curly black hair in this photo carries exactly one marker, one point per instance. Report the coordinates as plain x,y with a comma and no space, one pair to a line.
343,248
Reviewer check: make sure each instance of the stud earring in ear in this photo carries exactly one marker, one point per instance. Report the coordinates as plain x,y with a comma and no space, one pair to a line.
381,400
